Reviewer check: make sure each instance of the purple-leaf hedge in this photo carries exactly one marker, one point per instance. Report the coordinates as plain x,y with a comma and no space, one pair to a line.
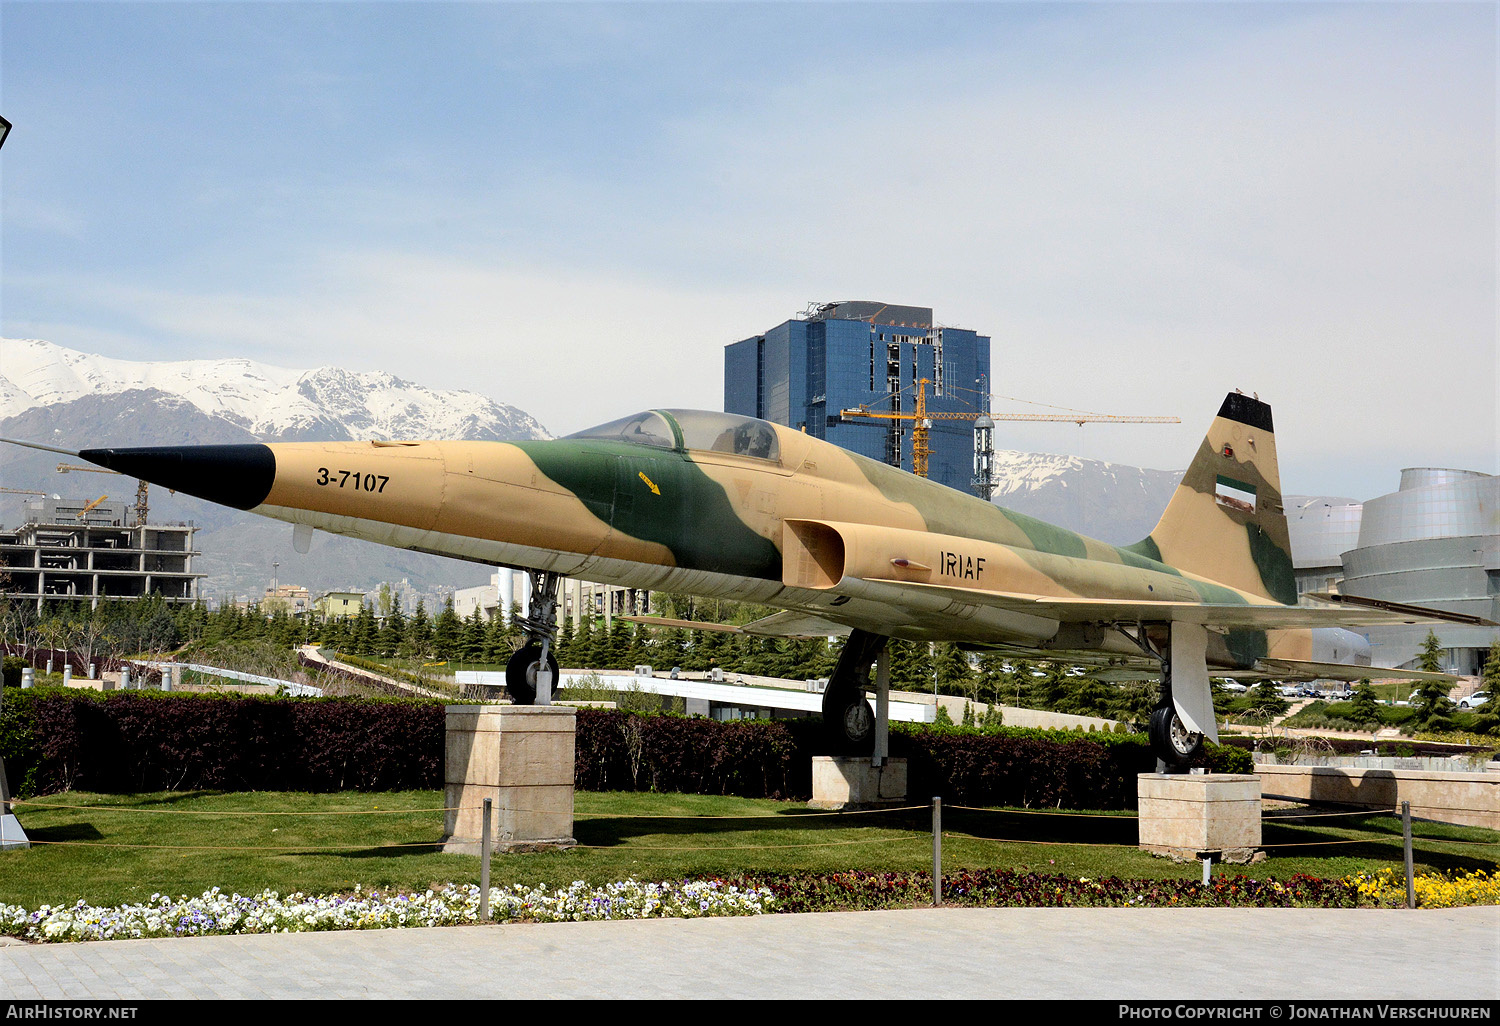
54,740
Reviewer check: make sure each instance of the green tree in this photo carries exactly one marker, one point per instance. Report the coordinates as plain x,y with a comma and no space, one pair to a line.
955,675
392,637
471,636
447,633
1431,657
1492,670
1433,708
419,632
1364,708
1264,703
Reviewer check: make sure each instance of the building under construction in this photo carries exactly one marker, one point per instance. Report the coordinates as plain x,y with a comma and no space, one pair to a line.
805,371
76,550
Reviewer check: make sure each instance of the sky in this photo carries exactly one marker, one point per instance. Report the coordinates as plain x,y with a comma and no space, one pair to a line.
574,207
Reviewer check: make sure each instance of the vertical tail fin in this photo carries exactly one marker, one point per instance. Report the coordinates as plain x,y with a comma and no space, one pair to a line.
1226,521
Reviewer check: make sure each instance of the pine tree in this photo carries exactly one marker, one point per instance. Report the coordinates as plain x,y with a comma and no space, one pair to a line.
446,633
496,647
565,643
583,645
617,651
419,632
909,666
471,636
362,640
1431,658
392,637
954,674
1364,708
1492,671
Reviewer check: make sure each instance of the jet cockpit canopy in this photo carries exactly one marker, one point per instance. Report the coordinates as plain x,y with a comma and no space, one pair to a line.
705,430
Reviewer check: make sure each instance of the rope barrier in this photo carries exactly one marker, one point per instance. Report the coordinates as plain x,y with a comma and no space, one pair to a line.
455,808
760,847
210,812
246,847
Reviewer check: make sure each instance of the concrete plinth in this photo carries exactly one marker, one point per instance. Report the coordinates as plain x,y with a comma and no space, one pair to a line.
1189,814
844,782
11,834
521,756
1466,799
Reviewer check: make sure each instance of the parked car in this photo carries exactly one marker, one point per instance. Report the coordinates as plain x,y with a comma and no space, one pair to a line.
1231,685
1475,700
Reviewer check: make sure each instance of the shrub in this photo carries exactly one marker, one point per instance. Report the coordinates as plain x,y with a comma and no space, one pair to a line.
150,741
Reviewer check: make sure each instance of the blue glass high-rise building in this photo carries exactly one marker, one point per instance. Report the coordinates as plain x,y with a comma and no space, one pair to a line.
803,372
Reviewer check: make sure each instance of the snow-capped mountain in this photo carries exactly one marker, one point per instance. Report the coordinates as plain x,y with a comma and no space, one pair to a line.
1112,502
325,404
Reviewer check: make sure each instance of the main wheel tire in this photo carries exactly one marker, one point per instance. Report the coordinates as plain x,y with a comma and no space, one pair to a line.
520,673
848,721
1172,742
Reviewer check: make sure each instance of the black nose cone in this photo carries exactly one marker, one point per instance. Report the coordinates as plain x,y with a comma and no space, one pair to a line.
231,475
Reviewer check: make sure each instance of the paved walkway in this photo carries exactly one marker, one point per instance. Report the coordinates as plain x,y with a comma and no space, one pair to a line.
1167,955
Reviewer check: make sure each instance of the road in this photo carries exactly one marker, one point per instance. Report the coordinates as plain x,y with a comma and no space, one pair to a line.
1167,955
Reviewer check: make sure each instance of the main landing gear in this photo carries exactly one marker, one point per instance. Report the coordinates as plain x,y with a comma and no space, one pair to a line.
1173,742
848,720
540,627
1174,745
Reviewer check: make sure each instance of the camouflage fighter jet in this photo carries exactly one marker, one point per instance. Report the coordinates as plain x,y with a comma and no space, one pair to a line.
719,505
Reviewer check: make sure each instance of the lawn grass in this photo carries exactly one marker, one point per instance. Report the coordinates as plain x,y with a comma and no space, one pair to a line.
188,842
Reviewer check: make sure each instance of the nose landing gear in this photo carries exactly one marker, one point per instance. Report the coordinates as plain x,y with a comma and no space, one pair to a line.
531,676
848,720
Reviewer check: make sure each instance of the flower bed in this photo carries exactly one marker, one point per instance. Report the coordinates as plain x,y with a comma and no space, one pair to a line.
1387,889
268,912
987,888
214,912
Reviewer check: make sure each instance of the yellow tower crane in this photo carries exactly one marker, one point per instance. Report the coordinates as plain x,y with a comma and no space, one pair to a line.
922,422
141,507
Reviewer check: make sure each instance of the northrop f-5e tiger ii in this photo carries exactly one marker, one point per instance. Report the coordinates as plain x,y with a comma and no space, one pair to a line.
719,505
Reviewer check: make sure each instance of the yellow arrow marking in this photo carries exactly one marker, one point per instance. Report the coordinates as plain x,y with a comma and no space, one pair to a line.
650,484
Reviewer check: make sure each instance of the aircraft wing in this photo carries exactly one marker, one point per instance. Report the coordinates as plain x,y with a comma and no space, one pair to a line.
1347,612
785,624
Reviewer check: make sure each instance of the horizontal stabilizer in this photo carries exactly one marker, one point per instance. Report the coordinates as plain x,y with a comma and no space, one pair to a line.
1300,669
1420,613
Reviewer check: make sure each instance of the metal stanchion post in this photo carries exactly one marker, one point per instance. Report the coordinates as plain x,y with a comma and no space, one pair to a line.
484,864
1411,888
937,851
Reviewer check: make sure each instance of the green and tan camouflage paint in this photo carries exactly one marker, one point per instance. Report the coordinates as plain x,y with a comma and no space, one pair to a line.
741,517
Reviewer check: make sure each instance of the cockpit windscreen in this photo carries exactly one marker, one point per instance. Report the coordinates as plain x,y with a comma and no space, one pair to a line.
649,428
727,433
697,429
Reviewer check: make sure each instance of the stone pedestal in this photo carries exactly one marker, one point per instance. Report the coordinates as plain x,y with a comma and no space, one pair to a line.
844,782
521,756
11,834
1191,814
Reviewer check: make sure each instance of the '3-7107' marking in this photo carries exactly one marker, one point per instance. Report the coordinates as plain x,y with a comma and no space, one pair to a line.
352,479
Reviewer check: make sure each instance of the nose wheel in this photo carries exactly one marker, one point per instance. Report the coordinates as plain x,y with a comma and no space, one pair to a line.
524,673
521,673
848,720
